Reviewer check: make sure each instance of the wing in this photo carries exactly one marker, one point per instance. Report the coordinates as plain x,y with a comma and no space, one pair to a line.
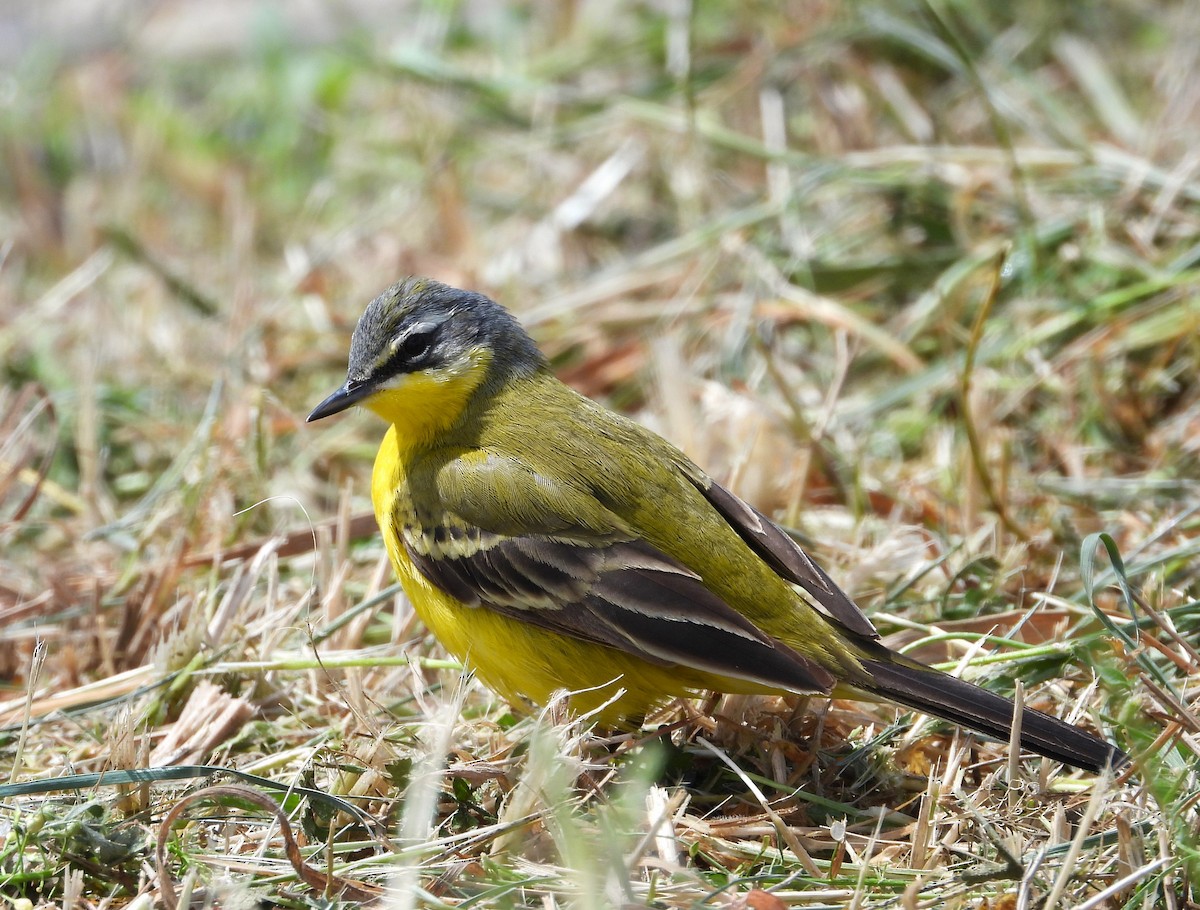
605,587
784,555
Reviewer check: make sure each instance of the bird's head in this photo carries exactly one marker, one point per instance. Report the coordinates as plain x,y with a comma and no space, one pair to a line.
421,344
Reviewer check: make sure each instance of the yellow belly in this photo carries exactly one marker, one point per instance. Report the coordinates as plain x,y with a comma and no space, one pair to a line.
524,663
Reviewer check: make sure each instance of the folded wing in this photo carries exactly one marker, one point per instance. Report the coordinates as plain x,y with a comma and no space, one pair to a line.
626,595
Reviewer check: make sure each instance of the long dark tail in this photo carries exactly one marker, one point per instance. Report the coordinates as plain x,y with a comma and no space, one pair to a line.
947,697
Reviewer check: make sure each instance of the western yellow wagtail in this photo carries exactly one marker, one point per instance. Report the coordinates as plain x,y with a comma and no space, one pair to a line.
550,543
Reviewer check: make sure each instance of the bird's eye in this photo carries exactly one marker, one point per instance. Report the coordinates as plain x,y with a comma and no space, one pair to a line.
416,345
410,353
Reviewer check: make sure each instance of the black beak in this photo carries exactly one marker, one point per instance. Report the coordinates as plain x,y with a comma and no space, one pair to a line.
347,396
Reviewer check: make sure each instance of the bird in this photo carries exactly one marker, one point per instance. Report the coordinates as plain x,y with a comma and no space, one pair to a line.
552,544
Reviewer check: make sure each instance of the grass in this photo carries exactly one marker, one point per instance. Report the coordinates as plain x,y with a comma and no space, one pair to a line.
918,279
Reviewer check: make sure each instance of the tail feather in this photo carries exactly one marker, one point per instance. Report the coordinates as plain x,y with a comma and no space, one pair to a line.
952,699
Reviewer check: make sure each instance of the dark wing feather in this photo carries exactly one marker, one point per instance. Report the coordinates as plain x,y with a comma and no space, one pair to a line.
625,595
785,556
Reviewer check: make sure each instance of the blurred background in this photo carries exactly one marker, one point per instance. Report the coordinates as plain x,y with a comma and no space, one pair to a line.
803,201
917,278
